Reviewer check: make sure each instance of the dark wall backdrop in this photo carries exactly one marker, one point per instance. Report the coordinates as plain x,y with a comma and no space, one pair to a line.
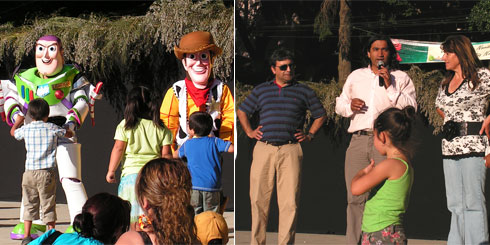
323,199
97,143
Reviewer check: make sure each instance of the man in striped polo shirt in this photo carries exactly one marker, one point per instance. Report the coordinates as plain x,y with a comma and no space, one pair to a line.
282,104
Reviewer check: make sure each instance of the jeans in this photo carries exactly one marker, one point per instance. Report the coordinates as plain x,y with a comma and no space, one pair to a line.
465,188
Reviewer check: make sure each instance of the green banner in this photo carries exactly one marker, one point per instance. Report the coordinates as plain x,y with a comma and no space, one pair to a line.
410,52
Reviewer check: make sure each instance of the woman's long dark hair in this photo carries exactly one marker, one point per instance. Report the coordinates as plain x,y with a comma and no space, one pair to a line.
398,124
166,185
139,104
468,59
104,217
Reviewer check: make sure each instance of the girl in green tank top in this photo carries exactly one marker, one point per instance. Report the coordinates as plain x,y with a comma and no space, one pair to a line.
382,221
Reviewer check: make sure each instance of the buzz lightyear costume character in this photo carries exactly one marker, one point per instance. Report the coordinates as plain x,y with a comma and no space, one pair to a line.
70,97
198,91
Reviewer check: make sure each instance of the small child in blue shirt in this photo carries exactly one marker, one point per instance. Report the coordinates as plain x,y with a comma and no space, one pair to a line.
39,178
203,161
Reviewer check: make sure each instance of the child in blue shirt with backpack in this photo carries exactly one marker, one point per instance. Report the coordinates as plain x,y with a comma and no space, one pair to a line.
203,161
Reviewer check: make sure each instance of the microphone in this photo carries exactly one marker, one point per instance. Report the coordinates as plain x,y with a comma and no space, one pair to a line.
381,80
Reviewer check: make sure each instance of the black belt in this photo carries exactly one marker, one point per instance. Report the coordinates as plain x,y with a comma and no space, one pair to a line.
452,129
363,132
279,143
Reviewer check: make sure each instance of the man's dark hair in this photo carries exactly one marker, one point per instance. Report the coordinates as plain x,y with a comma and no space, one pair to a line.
280,54
38,109
201,122
392,61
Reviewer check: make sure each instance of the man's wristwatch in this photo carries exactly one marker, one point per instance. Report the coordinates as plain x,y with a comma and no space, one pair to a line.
311,135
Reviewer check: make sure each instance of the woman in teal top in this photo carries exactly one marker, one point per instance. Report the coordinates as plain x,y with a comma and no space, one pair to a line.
104,218
382,221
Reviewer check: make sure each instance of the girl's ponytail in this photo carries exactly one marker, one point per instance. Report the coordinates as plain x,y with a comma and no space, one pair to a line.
398,124
409,113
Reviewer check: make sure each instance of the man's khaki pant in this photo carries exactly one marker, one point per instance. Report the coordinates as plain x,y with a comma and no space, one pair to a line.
281,164
359,154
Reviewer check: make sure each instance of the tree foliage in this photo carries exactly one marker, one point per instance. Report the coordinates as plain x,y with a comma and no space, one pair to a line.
126,51
325,19
480,16
263,26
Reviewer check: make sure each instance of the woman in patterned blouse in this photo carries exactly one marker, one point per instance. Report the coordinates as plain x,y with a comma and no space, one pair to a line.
462,103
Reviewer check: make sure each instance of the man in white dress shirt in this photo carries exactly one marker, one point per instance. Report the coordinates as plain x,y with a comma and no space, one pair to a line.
366,93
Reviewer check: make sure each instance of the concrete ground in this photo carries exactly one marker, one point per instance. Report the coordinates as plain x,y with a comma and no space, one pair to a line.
243,237
9,217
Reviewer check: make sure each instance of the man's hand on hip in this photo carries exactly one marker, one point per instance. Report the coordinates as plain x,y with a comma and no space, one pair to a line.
255,134
301,136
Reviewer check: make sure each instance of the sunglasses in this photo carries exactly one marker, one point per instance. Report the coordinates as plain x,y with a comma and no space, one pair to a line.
285,67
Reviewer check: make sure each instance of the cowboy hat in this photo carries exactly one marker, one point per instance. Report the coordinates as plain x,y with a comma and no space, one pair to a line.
195,42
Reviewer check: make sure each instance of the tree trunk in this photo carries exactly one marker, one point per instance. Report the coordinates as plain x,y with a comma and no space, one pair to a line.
344,41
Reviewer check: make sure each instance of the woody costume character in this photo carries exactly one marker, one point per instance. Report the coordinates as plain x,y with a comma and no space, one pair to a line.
199,91
70,97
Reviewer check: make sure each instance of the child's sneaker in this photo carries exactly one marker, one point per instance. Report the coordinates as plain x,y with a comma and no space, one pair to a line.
26,240
18,231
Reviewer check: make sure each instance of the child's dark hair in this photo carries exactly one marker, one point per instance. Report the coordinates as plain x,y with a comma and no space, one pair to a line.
38,109
201,122
398,124
139,104
104,217
216,241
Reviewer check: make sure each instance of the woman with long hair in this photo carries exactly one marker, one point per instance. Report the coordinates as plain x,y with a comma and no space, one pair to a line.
163,190
462,103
